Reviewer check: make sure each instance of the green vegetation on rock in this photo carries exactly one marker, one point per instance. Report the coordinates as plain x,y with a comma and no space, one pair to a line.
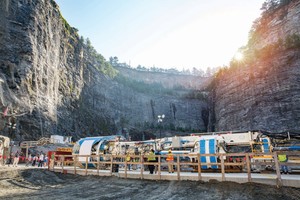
140,86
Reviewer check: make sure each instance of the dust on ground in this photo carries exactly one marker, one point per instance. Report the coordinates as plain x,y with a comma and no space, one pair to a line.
17,183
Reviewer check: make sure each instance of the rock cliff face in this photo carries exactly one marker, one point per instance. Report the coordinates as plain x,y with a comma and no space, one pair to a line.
277,24
166,79
53,82
40,60
263,93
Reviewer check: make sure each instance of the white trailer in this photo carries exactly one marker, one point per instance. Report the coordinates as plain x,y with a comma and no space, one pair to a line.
4,148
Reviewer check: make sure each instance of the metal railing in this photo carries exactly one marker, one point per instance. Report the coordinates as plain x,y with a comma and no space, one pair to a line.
245,163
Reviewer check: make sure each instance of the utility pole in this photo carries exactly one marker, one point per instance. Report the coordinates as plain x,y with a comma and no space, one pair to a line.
160,120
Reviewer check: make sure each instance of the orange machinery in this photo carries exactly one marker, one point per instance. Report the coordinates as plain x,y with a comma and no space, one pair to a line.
61,151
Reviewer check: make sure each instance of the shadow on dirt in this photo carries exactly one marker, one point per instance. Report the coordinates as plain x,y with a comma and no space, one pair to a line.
43,184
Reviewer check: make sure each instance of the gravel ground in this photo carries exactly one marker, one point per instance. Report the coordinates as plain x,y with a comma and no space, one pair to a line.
21,183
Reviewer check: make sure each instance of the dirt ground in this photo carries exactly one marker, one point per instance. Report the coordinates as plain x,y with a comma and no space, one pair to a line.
43,184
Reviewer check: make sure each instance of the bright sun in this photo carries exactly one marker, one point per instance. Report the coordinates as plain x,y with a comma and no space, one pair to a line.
238,56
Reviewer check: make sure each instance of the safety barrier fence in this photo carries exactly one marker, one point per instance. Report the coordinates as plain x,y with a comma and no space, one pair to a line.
245,162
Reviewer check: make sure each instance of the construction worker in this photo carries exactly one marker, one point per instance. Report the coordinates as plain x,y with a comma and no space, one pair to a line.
283,158
151,158
170,160
128,159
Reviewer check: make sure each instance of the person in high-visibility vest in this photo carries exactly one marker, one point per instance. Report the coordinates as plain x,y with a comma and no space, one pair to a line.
283,158
170,160
128,159
151,158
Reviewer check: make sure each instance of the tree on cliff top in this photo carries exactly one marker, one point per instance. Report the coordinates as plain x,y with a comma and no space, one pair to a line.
271,5
100,62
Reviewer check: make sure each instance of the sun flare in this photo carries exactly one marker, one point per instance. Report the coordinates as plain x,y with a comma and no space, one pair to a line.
238,56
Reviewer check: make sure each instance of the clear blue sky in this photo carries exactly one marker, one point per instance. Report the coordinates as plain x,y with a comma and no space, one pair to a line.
164,33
